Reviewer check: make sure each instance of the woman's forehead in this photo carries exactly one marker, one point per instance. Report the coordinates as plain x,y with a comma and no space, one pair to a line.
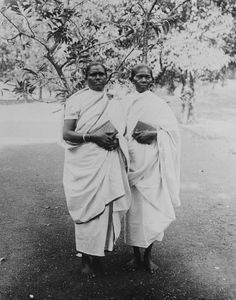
143,71
96,68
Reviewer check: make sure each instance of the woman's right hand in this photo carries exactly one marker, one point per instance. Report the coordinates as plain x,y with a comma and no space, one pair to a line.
107,140
145,137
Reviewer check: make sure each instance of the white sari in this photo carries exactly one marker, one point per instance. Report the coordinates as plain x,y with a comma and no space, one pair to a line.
154,170
95,180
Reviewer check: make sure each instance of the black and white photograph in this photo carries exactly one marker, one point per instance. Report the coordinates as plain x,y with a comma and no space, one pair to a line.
118,149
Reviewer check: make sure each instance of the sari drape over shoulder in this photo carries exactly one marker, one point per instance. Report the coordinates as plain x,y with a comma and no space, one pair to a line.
154,173
95,180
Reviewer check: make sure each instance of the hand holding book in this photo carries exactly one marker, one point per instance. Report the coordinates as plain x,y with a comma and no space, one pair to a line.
144,133
105,136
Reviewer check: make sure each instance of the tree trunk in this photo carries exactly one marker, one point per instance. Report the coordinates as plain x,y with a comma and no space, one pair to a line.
145,43
188,113
40,93
26,98
146,32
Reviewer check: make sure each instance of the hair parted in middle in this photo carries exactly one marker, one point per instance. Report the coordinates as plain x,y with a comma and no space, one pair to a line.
92,64
136,68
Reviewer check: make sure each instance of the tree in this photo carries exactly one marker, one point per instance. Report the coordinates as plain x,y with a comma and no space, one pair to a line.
63,38
196,51
68,34
192,48
181,39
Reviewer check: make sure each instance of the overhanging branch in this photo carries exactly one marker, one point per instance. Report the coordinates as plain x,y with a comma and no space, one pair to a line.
23,33
121,63
151,8
97,45
106,42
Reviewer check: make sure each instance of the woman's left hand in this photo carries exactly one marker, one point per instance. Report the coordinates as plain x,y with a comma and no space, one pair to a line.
145,137
114,145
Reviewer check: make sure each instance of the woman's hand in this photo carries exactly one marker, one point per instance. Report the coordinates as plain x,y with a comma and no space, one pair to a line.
107,141
145,137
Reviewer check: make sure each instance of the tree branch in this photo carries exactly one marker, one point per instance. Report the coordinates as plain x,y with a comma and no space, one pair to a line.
27,21
106,42
121,63
146,32
23,33
66,62
143,9
96,45
151,8
54,47
12,38
77,27
9,20
120,25
78,4
176,7
59,71
167,19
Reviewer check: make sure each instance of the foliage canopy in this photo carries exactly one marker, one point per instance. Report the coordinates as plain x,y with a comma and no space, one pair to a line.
52,41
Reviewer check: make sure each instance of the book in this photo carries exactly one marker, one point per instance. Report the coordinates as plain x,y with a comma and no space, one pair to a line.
107,127
141,126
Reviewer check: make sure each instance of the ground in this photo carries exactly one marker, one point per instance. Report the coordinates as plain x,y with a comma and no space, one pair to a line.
197,257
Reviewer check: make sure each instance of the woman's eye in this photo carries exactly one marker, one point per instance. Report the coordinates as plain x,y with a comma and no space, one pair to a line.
96,74
146,77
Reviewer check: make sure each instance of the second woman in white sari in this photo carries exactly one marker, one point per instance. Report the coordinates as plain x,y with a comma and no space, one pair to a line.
154,149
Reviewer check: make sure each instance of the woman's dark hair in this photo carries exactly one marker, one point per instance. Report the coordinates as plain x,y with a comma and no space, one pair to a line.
135,70
92,64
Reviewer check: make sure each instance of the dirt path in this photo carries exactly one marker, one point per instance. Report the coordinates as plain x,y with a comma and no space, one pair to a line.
196,259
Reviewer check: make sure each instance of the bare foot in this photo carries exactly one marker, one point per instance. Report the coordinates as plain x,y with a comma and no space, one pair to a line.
149,265
97,263
134,264
86,266
87,270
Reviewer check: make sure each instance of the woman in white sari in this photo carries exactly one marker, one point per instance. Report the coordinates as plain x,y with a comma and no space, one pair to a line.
154,149
95,180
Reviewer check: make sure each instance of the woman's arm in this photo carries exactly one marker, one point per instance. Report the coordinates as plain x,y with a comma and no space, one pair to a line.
69,133
105,140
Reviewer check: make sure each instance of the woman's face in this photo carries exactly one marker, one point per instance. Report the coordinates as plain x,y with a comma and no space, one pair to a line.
96,78
142,80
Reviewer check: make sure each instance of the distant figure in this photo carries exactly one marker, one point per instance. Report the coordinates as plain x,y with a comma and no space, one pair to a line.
154,148
95,179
